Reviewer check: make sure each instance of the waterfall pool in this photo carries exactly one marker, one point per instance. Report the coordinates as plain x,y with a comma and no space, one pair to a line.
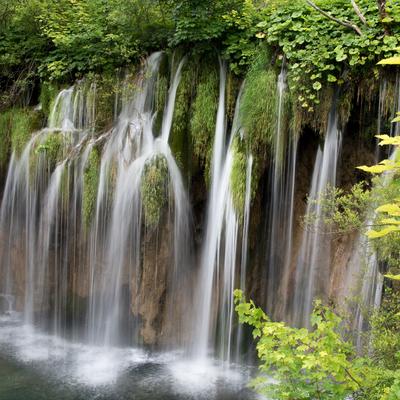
38,366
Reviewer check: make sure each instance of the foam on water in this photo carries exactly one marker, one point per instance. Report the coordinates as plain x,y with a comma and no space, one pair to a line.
100,367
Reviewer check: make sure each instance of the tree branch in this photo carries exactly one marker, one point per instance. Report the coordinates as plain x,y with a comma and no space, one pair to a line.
383,15
347,24
358,12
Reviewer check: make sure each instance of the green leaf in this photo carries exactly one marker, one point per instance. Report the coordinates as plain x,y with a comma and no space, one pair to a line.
317,85
332,78
390,61
393,277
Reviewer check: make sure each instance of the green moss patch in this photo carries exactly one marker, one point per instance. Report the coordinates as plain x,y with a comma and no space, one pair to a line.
154,190
204,116
90,185
52,147
259,105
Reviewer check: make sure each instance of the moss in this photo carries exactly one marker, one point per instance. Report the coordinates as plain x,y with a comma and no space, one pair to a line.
232,91
90,184
258,108
102,90
24,123
317,116
154,190
238,175
48,93
204,116
65,188
160,100
52,147
179,133
5,130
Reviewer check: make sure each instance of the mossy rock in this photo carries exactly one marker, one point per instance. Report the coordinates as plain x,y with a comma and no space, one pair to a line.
106,88
48,93
160,101
90,185
259,107
179,137
22,124
239,176
154,190
205,106
5,137
52,147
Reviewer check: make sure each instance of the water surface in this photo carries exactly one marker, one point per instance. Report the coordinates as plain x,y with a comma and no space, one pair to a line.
38,366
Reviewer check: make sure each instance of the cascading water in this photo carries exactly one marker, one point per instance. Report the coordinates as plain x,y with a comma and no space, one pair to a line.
85,275
31,215
280,227
121,273
313,263
134,147
363,278
45,212
218,273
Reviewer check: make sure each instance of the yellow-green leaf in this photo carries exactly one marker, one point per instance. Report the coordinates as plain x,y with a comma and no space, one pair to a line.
390,61
394,277
376,169
391,209
378,234
390,221
388,140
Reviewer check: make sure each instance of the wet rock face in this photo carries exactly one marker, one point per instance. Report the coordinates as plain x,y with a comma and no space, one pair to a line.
355,151
149,286
13,254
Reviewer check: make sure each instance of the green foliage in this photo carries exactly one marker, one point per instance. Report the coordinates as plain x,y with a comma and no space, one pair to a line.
48,93
52,146
22,47
82,37
160,100
298,364
154,190
384,349
5,129
320,51
387,221
197,21
90,184
259,105
343,211
23,123
179,139
67,38
202,123
238,175
385,333
101,90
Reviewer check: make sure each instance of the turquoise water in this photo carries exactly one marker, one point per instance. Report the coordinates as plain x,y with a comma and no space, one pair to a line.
36,366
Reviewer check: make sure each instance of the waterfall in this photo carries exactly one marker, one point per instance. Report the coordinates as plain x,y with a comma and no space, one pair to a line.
115,253
313,262
245,244
31,211
42,214
363,278
364,281
218,272
280,218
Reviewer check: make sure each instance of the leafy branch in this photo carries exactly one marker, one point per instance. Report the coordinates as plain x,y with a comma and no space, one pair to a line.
344,23
358,12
